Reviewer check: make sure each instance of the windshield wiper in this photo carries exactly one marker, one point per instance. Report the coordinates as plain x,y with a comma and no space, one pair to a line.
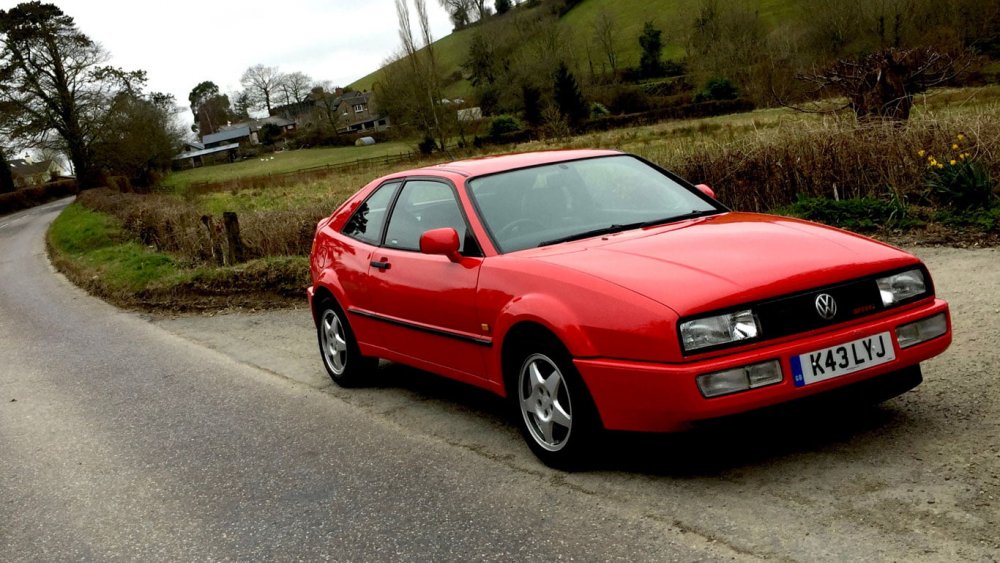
683,217
617,228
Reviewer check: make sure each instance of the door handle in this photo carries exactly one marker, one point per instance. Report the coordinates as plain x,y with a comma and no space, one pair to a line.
381,265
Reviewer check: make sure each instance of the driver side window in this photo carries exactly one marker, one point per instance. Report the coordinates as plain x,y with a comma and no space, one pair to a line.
421,206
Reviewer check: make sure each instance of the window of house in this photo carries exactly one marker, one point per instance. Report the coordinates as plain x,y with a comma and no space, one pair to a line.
358,108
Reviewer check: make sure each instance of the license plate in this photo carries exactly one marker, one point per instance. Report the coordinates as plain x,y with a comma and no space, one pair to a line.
846,358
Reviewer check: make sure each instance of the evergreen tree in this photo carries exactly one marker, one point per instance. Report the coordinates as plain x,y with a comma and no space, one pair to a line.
651,42
569,100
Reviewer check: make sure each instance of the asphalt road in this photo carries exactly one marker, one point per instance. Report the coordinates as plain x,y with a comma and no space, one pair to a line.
219,437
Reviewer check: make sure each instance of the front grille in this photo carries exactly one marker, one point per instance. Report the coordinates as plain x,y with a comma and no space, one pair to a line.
797,313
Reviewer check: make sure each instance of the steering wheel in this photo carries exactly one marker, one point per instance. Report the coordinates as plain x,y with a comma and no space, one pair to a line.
514,228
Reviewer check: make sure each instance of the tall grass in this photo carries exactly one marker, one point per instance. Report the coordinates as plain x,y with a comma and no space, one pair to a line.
758,161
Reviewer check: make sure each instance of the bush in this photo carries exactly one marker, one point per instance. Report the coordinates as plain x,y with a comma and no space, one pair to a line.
427,146
31,197
629,100
717,89
503,124
958,180
857,214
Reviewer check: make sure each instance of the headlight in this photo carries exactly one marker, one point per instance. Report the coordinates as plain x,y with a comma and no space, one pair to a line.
721,329
901,286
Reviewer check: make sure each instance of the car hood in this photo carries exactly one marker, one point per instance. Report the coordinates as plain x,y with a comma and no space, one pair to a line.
725,260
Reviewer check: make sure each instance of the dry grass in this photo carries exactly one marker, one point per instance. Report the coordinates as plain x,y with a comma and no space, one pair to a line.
756,161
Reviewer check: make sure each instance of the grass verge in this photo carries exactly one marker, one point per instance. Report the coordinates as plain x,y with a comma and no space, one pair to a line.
92,250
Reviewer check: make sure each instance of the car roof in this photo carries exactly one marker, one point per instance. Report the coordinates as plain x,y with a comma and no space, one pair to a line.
500,163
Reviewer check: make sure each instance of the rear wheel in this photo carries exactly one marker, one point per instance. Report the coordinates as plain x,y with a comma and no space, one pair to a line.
338,348
556,414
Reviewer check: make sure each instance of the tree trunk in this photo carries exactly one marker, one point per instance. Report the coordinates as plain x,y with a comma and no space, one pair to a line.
87,175
6,178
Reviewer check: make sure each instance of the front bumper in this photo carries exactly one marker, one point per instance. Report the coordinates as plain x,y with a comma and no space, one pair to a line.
652,397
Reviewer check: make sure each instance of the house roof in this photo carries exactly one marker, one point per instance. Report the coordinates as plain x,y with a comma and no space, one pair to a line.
354,98
203,152
276,120
227,135
21,167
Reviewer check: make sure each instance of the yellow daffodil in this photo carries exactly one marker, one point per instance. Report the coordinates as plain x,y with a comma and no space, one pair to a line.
954,147
962,156
961,137
940,166
952,162
921,153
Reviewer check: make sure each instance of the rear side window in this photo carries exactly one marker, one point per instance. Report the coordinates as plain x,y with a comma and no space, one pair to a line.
366,223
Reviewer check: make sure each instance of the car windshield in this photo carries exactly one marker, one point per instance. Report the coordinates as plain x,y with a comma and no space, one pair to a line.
565,201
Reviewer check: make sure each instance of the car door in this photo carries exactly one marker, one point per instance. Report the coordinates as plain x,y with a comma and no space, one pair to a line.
426,303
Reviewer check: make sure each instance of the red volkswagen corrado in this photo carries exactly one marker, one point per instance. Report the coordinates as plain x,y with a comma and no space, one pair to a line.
598,291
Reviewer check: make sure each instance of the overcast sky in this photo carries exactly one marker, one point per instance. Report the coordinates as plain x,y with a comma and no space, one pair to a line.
180,43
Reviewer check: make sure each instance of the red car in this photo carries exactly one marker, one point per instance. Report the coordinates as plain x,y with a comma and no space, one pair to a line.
598,291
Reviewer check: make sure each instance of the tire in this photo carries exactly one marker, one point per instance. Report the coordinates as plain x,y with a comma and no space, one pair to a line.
339,349
555,412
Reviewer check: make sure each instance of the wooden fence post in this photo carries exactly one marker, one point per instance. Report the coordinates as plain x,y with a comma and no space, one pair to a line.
234,252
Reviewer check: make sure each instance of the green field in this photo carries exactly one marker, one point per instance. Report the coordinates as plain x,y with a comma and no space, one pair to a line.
673,17
281,163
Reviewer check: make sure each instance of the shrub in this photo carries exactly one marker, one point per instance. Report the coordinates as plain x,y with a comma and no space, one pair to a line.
858,214
427,146
629,100
30,197
718,89
503,124
958,180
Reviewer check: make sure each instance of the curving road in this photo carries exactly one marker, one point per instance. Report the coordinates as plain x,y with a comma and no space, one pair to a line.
215,438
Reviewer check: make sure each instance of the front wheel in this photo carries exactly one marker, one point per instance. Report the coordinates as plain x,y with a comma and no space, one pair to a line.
557,415
340,353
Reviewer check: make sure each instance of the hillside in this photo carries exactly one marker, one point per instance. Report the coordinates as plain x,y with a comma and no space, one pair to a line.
673,17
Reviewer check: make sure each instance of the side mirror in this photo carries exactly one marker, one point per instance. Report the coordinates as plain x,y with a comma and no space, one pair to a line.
706,189
443,241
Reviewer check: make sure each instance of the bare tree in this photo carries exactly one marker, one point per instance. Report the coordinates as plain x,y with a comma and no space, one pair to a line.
261,82
294,86
882,85
423,66
604,35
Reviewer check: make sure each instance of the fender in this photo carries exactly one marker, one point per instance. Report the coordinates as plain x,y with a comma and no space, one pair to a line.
540,309
328,280
547,311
